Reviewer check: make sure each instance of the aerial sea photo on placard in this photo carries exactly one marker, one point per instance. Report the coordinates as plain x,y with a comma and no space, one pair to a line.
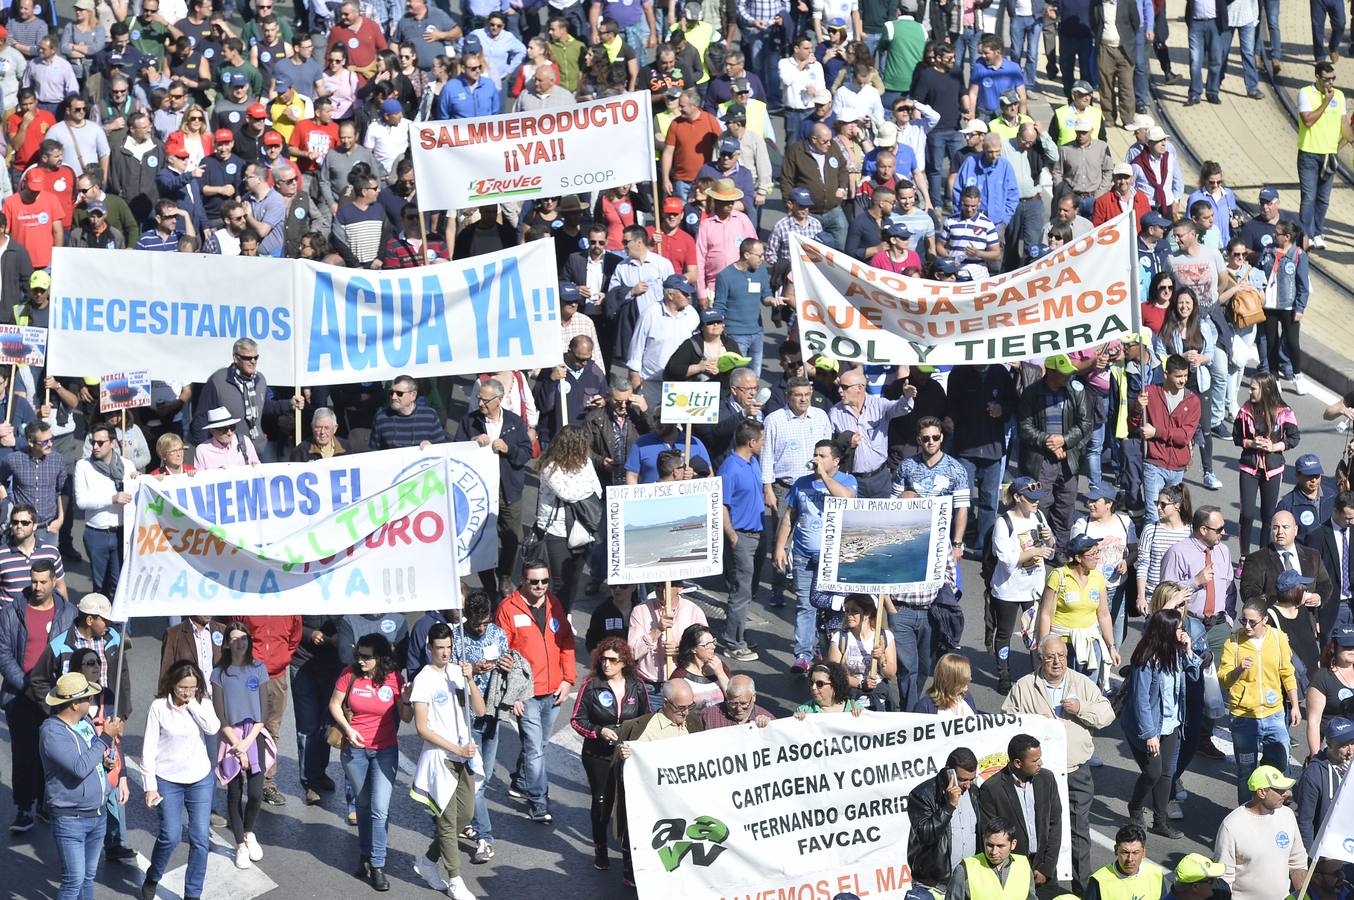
885,547
666,530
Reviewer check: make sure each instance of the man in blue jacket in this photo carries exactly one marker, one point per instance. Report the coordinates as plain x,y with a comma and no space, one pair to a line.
470,94
25,627
994,178
74,758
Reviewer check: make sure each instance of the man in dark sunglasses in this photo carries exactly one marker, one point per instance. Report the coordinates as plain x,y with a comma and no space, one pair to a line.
241,388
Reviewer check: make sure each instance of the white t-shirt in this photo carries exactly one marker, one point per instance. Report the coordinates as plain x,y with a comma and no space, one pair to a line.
445,694
1009,581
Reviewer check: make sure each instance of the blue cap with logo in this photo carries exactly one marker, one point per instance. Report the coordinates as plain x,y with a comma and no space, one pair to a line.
1309,464
1080,543
711,316
282,82
729,145
1036,251
390,107
1339,730
800,196
1155,219
1028,488
947,265
897,230
1289,579
471,45
1100,491
568,293
678,283
1268,194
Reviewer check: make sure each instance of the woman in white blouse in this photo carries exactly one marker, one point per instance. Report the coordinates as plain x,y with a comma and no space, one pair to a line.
567,476
178,773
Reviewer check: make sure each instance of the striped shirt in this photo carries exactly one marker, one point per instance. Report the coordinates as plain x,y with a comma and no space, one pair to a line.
390,429
35,483
154,240
15,568
779,243
873,427
960,235
789,442
948,477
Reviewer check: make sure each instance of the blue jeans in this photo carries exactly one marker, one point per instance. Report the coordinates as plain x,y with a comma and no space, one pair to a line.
104,550
1026,32
1154,478
1205,42
984,484
635,35
535,724
78,842
1258,742
117,819
196,800
940,147
759,51
805,570
486,735
750,345
1070,50
912,643
372,775
1315,194
834,223
1322,47
965,50
1248,73
1140,70
311,685
1095,443
1270,12
794,120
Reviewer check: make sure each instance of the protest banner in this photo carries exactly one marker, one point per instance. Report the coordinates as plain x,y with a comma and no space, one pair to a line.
180,314
124,390
348,534
804,809
1078,296
884,546
22,345
689,403
665,531
543,153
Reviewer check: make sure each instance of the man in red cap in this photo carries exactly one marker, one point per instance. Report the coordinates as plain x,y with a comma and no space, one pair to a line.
675,244
181,182
34,218
273,158
249,135
222,176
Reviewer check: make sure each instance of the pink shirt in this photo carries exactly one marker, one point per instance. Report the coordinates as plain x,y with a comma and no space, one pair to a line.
211,455
717,246
650,659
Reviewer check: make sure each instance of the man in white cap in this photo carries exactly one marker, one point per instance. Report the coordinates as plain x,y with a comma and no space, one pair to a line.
1122,197
1085,166
1080,109
92,629
1158,174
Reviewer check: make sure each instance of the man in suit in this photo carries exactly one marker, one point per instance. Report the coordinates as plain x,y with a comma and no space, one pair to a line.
1332,543
198,638
591,270
1260,577
1014,790
513,446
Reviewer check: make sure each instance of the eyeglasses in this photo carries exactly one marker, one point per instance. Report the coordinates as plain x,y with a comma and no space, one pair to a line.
485,401
399,393
1053,657
472,68
45,443
21,521
536,580
596,243
364,657
1251,623
1239,254
98,443
1165,287
293,181
680,710
706,645
75,109
118,92
611,660
930,438
1219,530
1162,504
242,358
336,59
853,612
820,684
197,118
793,364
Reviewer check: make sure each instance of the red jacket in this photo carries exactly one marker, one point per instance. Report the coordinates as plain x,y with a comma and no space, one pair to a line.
275,640
550,653
1170,449
1107,207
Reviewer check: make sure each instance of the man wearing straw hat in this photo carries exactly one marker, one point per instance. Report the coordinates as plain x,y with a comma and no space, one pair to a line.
76,762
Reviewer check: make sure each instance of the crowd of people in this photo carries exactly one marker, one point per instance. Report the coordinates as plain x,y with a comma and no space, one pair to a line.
897,133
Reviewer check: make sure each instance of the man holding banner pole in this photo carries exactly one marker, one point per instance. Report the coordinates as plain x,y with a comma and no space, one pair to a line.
243,390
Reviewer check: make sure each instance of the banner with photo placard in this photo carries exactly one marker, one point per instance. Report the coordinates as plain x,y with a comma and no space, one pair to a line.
665,531
884,546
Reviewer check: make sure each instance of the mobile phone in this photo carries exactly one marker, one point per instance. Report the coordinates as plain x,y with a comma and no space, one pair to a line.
951,778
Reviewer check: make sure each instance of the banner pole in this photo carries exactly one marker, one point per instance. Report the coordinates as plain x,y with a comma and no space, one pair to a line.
686,455
563,404
123,434
670,663
122,662
1307,881
296,418
878,630
9,406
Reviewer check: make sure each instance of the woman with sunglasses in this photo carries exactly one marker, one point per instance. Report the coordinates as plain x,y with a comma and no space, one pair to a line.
1175,596
86,661
197,140
1159,293
399,87
1174,510
1264,428
860,648
246,750
613,693
1244,275
340,84
1075,606
1163,663
829,691
699,663
1192,335
369,702
1022,542
1255,670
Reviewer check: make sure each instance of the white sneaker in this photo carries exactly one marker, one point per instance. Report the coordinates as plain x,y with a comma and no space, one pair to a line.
1174,811
1181,795
1318,242
431,873
255,851
457,890
1299,384
242,857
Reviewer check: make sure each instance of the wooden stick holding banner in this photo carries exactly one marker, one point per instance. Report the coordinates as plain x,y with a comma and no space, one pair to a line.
296,416
563,402
9,404
686,453
122,434
122,661
667,632
878,632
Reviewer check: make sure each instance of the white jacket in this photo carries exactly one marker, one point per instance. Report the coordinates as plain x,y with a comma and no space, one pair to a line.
94,494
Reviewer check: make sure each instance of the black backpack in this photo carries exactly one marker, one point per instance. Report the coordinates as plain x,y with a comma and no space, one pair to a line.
989,563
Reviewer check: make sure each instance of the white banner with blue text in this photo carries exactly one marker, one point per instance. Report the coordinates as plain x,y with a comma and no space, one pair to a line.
178,315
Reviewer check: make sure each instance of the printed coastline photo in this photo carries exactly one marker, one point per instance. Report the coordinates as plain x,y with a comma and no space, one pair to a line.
666,531
884,547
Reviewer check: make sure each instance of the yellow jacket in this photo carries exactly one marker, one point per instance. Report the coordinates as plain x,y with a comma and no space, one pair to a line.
1259,691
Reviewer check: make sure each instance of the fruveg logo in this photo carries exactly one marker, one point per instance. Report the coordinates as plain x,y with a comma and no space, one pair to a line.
494,188
701,840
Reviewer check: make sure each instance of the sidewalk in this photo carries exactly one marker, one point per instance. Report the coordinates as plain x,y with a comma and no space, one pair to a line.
1255,141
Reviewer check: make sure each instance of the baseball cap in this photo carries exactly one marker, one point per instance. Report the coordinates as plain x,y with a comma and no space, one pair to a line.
800,196
947,265
471,44
1268,194
727,362
224,136
84,4
391,106
1195,867
1060,362
678,283
740,85
974,126
1339,731
1028,488
1140,121
1082,87
1343,637
35,178
1309,464
1100,491
836,22
234,79
729,145
673,205
1082,125
821,96
827,363
96,605
1009,97
256,111
711,316
1289,579
1123,169
272,139
886,135
735,112
1269,777
897,230
4,33
282,82
1155,219
93,206
1080,543
568,293
177,149
691,11
673,93
40,281
1156,133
